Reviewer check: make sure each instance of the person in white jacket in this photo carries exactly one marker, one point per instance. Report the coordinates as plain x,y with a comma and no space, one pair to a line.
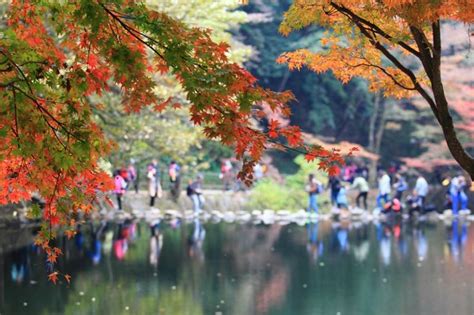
384,189
421,190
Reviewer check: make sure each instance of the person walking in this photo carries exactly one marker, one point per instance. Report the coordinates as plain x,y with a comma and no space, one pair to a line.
334,186
119,188
226,174
341,199
421,190
400,186
175,180
154,186
459,198
313,188
133,176
361,184
194,192
384,189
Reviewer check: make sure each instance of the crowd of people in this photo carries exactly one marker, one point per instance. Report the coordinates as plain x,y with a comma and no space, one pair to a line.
394,194
127,179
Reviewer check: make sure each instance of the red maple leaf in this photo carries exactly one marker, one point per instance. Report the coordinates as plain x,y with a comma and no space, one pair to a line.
272,128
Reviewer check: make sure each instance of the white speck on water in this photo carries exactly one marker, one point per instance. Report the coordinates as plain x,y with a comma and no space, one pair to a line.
219,274
374,270
384,280
273,249
222,302
218,313
25,304
78,303
338,313
419,264
233,280
305,285
93,299
155,274
81,293
218,306
321,264
33,282
173,287
127,308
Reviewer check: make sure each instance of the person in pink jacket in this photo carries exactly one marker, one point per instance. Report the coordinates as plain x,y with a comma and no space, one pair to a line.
119,189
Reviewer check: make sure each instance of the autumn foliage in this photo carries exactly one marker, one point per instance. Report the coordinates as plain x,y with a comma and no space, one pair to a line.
55,54
396,45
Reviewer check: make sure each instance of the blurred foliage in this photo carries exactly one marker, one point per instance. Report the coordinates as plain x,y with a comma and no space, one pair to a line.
290,195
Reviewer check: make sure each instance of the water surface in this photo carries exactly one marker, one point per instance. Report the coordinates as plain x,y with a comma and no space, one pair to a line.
194,268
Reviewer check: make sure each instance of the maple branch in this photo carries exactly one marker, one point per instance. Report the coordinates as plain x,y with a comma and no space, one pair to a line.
425,48
385,72
356,20
16,119
136,33
35,100
436,40
376,29
43,111
133,31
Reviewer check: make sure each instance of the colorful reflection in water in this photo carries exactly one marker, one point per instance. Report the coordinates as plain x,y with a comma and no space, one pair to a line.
391,267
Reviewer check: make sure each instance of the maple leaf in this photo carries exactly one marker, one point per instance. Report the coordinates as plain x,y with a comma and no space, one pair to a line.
334,170
67,278
53,277
52,258
57,251
272,128
309,157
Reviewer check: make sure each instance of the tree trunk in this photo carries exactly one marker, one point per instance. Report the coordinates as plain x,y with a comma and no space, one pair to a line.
430,56
464,159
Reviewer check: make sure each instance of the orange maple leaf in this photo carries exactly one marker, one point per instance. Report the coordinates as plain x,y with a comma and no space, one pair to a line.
53,277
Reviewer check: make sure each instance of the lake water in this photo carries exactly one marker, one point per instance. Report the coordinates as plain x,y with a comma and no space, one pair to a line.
221,268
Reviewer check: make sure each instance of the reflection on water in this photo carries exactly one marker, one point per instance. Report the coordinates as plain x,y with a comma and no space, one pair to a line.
392,267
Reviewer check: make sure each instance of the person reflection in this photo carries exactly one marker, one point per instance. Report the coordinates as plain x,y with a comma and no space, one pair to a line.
457,239
340,236
314,247
120,244
156,243
399,232
95,251
386,244
196,241
421,243
19,268
79,240
361,246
